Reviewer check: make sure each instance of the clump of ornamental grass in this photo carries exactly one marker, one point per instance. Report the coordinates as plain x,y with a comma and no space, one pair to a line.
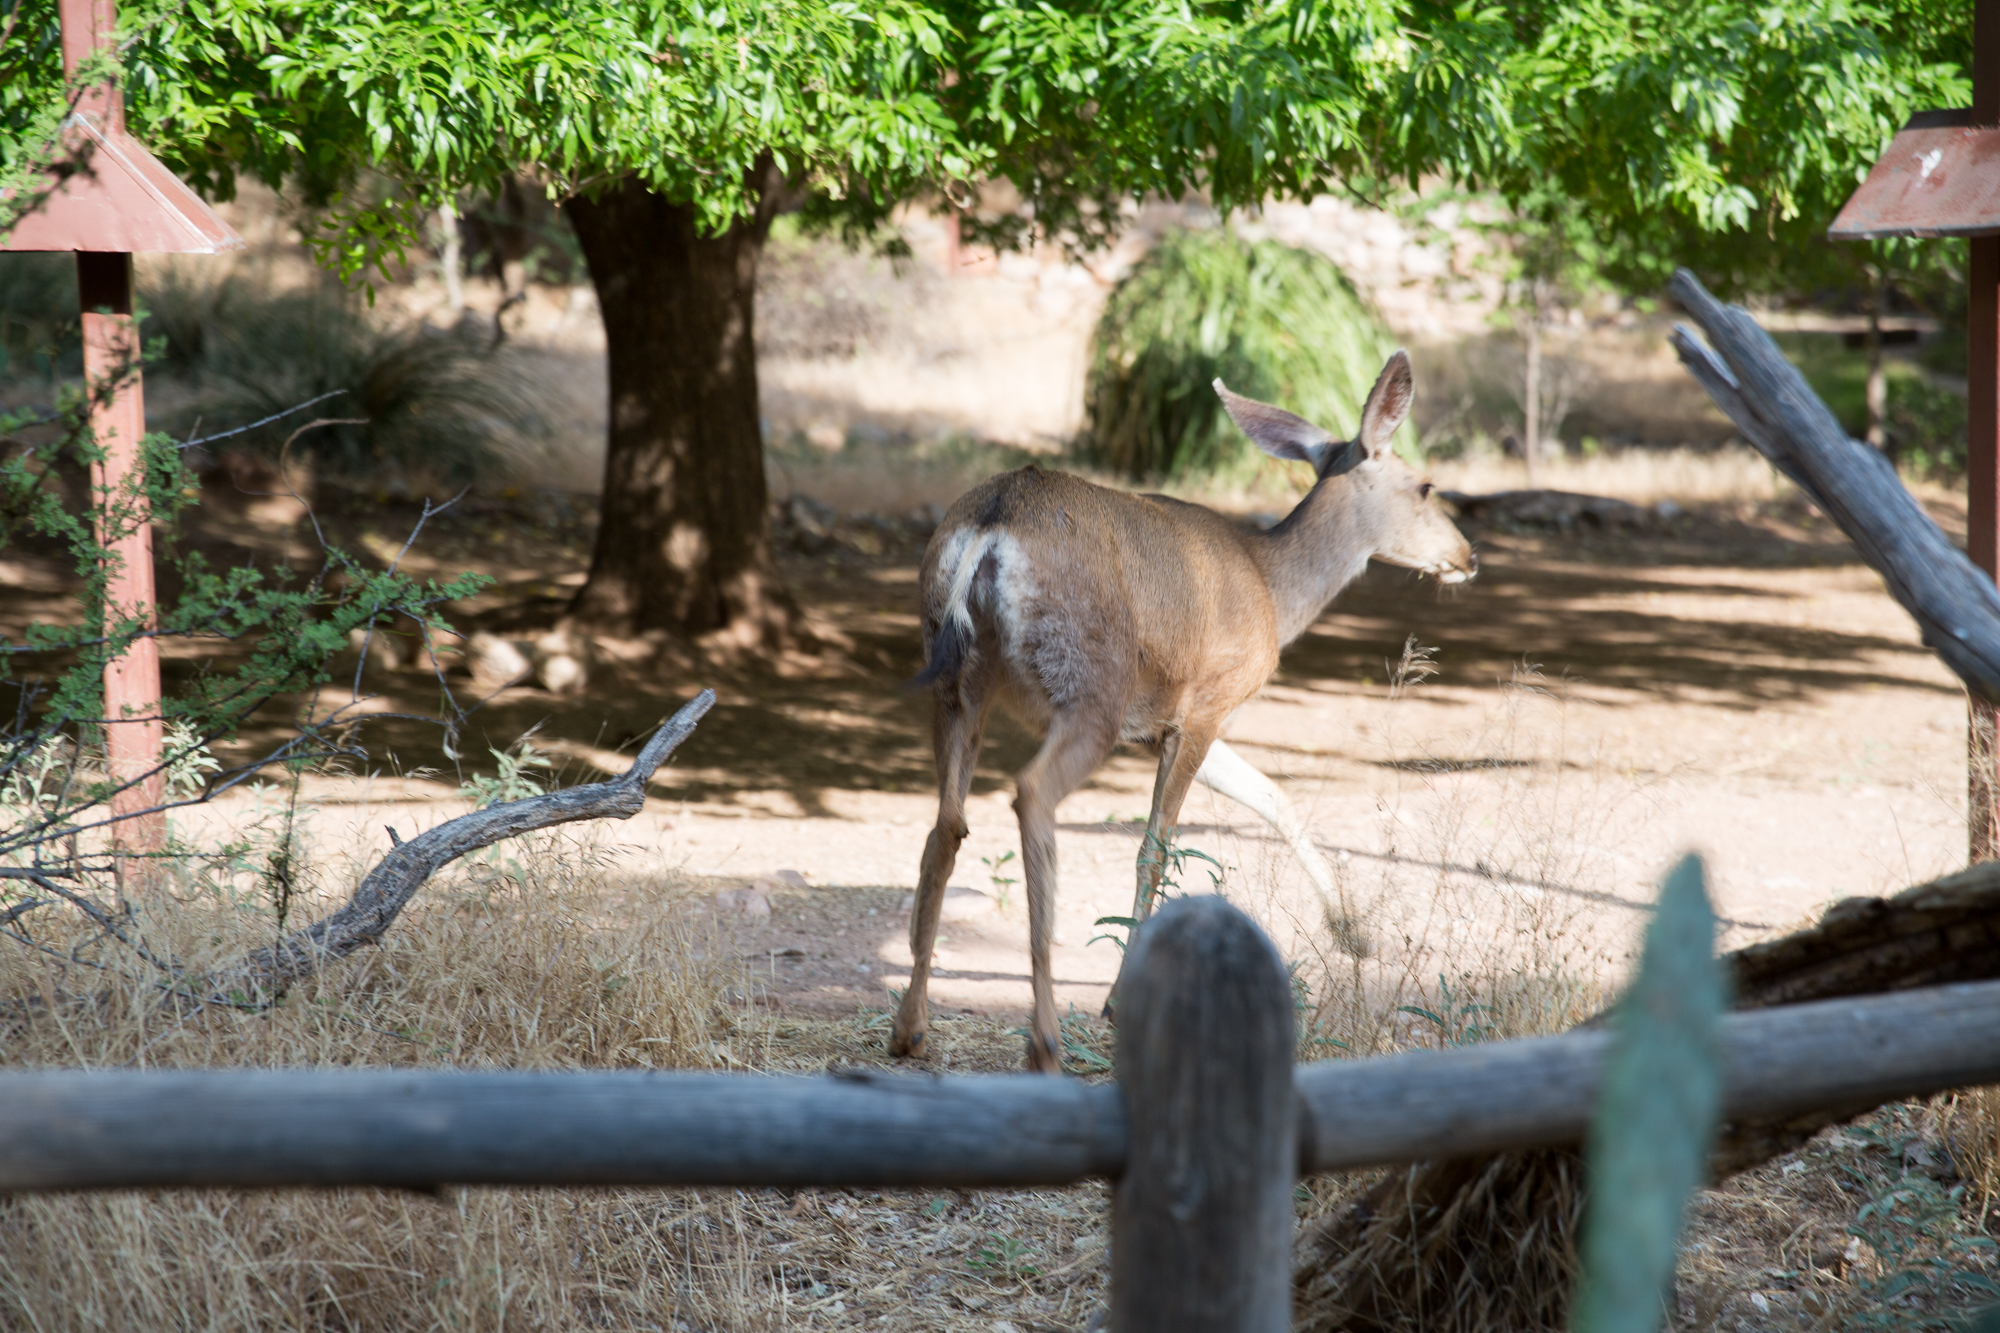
1273,322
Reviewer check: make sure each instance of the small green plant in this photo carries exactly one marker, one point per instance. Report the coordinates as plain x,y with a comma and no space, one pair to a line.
1001,883
1458,1020
1310,1023
1928,1258
1176,859
1913,1226
513,780
1082,1057
1002,1255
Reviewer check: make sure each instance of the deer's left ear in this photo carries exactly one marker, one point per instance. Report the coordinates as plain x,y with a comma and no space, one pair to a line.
1388,404
1277,432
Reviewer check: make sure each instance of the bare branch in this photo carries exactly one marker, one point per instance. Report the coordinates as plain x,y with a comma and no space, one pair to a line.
275,416
397,877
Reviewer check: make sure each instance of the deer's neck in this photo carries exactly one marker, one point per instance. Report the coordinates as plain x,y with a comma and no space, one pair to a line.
1319,548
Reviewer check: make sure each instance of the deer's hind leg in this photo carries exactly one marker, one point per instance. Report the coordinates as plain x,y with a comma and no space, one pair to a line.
956,728
1079,740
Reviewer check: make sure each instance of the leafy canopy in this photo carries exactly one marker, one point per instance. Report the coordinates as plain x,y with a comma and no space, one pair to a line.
1670,124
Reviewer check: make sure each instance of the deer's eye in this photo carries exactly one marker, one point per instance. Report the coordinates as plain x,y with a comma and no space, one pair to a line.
1423,490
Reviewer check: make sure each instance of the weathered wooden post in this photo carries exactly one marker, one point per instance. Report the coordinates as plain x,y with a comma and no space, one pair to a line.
1201,1225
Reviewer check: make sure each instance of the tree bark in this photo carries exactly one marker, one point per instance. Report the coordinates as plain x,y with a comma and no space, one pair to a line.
684,543
1531,399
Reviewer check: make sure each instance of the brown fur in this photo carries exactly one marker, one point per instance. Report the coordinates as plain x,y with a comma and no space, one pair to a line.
1112,616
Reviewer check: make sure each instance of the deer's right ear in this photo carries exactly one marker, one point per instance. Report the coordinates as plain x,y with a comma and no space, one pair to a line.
1276,431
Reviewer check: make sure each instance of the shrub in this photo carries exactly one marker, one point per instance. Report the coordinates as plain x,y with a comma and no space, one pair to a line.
1273,322
429,407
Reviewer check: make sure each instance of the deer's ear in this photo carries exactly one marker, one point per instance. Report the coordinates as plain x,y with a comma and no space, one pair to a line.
1276,431
1388,403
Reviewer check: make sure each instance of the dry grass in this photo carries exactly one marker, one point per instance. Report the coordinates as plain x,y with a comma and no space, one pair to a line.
1481,902
1730,474
558,953
527,961
547,955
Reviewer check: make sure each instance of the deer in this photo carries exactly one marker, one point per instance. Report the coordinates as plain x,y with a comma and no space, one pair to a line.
1107,616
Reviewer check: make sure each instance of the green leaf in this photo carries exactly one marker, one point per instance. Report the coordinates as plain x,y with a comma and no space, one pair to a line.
1656,1115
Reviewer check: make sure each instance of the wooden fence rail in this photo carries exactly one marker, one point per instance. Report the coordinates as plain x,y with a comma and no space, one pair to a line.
70,1129
1206,1132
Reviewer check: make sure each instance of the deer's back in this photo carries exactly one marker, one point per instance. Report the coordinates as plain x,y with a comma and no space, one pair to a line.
1090,589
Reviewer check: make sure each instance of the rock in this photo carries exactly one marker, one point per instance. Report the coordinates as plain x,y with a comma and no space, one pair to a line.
1667,511
1561,511
561,661
862,541
561,674
811,524
793,878
495,662
751,901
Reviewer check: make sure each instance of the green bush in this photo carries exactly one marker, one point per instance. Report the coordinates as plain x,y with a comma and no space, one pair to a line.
1273,322
1926,428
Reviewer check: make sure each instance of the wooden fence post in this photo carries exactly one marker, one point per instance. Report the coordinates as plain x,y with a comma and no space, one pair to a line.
1201,1224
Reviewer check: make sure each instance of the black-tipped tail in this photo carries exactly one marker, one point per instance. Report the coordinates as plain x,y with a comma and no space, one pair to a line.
947,658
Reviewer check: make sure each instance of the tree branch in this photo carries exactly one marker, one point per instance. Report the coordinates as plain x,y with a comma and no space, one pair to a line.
398,876
1955,605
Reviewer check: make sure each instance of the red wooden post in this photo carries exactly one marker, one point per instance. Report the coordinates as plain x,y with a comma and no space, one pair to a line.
117,424
1982,427
113,200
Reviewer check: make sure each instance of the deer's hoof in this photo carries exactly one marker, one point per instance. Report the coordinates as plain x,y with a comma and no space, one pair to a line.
1044,1056
907,1045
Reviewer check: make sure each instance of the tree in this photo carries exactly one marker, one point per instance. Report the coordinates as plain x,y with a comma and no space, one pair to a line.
1687,131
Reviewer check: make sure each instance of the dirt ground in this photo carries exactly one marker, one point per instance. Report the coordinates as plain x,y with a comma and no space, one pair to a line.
1726,678
1730,680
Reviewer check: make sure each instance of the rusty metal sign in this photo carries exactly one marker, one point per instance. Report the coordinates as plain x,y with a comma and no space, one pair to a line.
1940,177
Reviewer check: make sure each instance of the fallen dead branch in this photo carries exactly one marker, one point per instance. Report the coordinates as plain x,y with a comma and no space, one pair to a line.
388,888
1955,605
1484,1242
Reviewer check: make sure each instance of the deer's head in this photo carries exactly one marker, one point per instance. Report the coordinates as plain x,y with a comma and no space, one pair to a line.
1388,507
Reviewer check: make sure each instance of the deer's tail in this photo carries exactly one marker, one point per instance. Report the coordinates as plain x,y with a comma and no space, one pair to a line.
952,643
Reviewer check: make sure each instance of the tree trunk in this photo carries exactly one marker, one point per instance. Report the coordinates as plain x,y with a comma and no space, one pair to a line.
1531,402
684,544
